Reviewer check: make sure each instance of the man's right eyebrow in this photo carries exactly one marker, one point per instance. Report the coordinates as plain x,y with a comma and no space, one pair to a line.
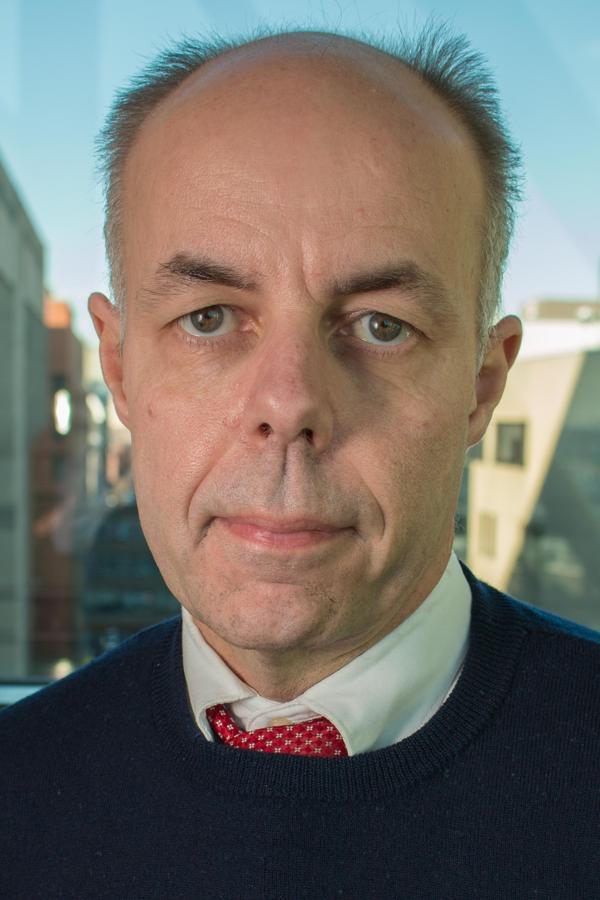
184,269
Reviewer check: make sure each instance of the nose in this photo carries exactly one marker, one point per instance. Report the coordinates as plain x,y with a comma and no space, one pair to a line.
290,395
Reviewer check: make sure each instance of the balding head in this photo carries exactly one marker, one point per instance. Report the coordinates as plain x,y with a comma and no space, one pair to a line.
309,124
434,77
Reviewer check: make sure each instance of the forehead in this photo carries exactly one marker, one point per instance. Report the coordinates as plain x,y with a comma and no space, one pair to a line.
299,86
331,140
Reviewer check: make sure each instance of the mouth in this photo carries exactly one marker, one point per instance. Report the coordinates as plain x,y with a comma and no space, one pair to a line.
283,534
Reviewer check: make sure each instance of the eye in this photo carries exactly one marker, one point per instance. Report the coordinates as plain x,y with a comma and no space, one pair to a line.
208,322
379,328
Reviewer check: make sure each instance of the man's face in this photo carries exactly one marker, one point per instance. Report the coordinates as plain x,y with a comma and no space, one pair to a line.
302,248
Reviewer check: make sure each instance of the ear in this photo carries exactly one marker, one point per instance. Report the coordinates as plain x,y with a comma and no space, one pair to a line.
107,322
504,343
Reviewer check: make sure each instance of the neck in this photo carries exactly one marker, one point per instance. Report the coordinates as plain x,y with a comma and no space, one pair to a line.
281,675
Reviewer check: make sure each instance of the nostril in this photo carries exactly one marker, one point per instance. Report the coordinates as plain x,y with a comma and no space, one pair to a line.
266,429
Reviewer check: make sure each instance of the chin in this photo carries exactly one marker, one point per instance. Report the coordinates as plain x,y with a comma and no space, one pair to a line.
270,617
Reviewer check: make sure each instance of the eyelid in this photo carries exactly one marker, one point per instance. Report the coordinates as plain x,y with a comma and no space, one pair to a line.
412,330
199,337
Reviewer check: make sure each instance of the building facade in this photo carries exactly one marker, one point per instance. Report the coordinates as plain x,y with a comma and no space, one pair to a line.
534,495
23,414
58,485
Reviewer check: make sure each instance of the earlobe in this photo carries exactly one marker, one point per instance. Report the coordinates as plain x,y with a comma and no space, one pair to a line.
107,322
504,344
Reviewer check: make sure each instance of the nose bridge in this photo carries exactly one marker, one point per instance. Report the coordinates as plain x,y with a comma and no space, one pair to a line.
289,396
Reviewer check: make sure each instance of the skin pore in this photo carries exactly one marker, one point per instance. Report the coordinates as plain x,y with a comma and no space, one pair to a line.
301,243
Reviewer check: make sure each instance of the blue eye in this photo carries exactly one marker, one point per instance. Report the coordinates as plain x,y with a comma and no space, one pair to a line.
208,322
381,329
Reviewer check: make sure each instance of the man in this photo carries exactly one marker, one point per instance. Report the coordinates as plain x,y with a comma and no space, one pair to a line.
307,236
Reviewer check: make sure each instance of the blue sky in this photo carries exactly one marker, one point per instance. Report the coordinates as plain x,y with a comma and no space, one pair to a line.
62,60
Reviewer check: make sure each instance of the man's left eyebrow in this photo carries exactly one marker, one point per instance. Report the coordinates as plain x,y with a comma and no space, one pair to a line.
406,277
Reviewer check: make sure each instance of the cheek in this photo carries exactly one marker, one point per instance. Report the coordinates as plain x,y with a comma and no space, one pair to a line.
440,441
415,450
175,434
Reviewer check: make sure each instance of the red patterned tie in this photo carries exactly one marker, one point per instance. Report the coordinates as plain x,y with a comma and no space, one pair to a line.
317,737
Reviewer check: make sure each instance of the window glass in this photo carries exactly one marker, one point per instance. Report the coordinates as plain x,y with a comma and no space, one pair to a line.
76,574
510,443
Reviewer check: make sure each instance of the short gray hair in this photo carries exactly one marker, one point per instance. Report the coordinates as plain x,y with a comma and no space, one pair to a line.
445,62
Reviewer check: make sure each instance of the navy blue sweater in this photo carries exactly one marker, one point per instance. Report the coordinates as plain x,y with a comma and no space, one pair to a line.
109,790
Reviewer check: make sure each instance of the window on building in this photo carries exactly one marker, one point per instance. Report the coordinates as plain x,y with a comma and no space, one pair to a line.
510,443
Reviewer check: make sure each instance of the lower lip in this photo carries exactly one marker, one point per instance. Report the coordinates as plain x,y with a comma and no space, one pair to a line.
278,539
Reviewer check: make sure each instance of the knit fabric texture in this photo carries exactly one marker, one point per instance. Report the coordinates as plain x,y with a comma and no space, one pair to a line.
109,790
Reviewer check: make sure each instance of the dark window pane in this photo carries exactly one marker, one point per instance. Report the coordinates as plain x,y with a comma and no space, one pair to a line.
510,443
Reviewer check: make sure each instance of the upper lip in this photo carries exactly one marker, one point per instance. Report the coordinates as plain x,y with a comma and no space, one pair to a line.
285,526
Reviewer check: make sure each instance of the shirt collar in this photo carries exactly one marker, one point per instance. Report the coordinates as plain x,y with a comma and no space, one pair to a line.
378,698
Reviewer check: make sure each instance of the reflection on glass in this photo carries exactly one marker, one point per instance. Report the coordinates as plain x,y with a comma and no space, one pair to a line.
559,565
62,411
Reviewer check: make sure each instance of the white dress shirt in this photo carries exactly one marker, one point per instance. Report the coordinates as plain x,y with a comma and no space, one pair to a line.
375,700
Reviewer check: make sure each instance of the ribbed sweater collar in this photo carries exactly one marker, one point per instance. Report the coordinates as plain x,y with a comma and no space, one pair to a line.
496,638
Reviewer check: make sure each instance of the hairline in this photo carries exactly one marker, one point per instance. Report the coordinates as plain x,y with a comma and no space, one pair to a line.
487,306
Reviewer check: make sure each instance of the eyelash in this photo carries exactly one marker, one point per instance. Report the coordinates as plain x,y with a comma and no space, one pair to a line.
373,349
382,349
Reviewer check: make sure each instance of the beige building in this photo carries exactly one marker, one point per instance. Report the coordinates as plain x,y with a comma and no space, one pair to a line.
534,495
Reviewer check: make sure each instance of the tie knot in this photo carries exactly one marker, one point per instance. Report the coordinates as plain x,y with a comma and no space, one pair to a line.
316,737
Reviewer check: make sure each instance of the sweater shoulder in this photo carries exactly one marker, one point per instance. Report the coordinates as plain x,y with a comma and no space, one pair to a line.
95,693
529,617
552,644
541,623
